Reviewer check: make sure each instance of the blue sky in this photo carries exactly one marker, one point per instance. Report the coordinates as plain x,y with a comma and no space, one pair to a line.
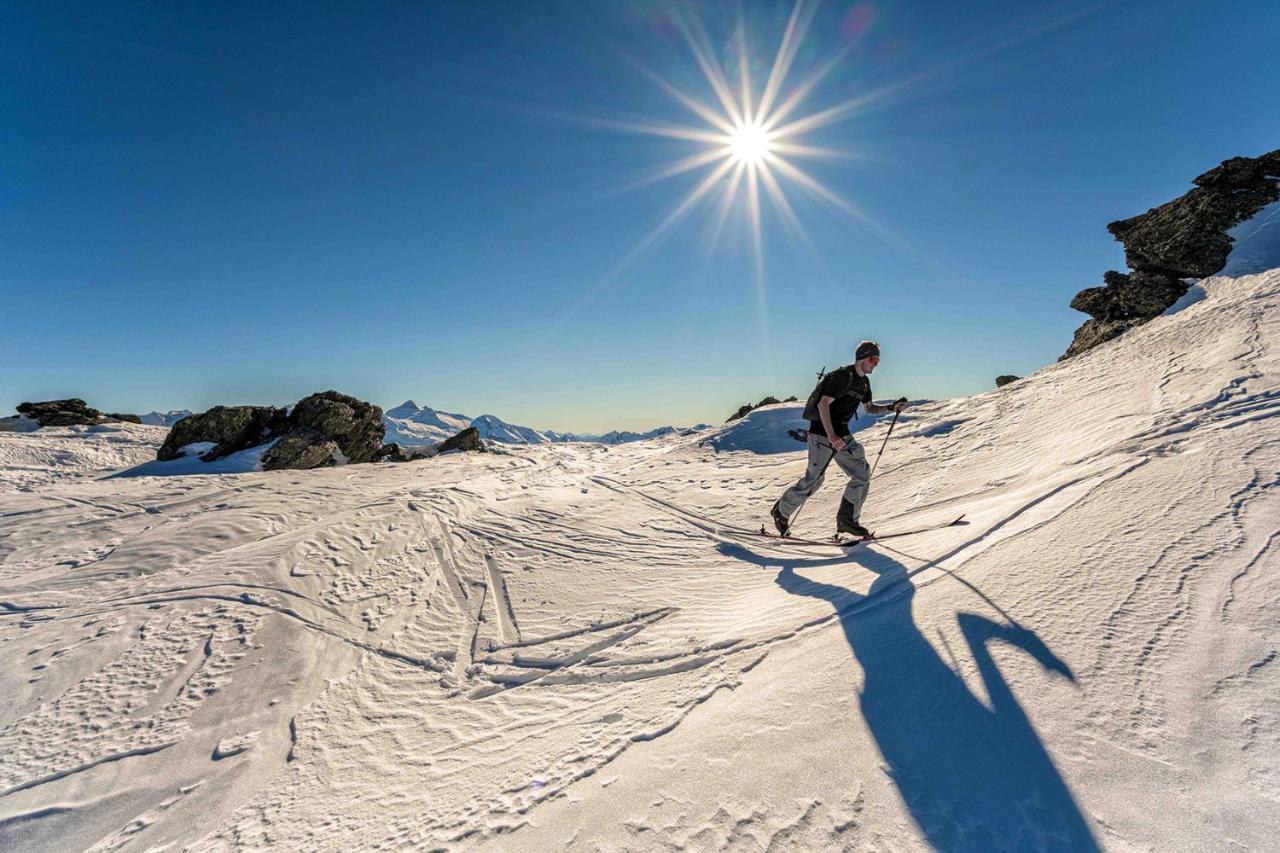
247,202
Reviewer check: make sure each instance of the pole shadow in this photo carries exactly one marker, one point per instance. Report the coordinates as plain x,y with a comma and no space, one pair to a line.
974,776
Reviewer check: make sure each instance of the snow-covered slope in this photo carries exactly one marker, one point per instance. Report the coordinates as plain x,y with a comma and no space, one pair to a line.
1256,243
577,646
34,459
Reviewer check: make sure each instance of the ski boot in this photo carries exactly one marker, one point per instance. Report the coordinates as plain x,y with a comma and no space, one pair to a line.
854,529
780,521
847,525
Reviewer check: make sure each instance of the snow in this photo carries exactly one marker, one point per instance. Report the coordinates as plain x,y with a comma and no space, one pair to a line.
19,423
764,430
581,646
32,459
1195,292
1257,243
189,462
411,425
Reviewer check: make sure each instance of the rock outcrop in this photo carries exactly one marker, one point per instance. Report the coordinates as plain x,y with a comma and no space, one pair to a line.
467,440
302,448
330,422
747,408
1183,239
1002,381
322,429
229,428
70,412
61,412
390,452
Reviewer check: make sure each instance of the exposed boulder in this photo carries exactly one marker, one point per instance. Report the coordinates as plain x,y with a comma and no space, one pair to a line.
390,452
230,428
354,426
1002,381
61,412
131,419
302,448
1185,238
747,408
467,440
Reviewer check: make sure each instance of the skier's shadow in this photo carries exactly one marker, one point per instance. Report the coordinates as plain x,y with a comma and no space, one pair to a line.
974,775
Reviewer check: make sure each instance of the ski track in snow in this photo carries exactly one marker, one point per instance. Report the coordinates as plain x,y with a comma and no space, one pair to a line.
583,647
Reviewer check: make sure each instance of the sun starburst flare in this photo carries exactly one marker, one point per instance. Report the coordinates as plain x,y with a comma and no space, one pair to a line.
750,139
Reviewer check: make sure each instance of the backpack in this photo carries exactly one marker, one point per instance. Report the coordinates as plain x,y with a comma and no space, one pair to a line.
811,405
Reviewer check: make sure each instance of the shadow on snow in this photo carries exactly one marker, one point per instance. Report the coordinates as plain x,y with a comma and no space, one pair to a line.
973,776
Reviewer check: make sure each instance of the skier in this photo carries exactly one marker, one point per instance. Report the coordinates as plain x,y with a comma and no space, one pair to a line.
833,402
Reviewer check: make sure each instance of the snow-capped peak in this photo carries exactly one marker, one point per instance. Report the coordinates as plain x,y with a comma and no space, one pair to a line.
406,409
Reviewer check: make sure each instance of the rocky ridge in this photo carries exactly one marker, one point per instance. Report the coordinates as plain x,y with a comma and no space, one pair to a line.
1182,239
70,412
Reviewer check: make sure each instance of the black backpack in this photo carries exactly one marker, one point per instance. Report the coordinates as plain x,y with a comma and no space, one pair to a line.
811,405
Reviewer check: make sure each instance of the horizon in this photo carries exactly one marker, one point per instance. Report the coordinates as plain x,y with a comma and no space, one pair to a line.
243,205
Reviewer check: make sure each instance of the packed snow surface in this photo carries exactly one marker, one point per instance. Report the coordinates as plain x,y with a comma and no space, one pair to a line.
31,458
585,647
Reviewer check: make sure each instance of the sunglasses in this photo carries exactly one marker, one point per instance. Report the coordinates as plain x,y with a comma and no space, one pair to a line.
875,359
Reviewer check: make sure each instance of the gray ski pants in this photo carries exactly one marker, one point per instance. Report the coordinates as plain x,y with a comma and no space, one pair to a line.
852,460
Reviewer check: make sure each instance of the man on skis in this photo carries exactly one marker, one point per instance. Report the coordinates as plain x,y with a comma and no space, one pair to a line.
828,411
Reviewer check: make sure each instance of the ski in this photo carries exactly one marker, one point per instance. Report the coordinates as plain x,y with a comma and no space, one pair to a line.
849,543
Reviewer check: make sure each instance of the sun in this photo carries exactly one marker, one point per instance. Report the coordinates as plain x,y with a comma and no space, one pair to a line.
749,144
750,138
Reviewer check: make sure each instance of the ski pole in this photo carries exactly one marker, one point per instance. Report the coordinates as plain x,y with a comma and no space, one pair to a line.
892,424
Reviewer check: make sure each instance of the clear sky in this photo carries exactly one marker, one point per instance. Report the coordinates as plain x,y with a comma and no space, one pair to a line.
248,202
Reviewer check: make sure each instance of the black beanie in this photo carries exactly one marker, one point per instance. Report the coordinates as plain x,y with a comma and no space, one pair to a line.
866,349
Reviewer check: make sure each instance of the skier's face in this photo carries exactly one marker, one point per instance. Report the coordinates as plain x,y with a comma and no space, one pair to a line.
869,363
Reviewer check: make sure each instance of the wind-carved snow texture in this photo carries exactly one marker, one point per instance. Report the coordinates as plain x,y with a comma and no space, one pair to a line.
571,646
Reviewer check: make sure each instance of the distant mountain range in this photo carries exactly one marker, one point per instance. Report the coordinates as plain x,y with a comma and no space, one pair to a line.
164,419
410,424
